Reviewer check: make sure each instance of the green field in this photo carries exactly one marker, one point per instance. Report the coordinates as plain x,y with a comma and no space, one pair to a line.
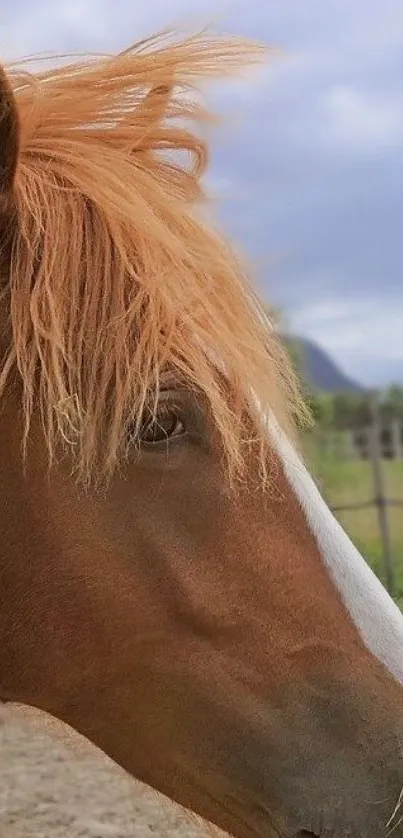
343,482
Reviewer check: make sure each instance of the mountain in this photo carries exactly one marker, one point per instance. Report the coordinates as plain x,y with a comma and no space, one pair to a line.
318,369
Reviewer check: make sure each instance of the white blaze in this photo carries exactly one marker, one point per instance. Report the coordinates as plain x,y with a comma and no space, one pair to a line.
376,616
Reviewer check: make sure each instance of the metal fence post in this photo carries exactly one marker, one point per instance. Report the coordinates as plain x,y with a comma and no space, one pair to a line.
380,497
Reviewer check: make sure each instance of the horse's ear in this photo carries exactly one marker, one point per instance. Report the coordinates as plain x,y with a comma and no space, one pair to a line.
9,137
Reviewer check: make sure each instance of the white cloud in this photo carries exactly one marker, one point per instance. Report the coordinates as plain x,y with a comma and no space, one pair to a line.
361,121
43,26
322,313
365,337
46,25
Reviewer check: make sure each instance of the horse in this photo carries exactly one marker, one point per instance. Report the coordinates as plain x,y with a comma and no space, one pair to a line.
173,587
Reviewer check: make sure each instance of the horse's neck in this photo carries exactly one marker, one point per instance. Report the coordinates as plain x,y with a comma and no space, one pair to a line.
377,617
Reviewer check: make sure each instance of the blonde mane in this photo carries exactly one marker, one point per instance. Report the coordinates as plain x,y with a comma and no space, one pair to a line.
113,276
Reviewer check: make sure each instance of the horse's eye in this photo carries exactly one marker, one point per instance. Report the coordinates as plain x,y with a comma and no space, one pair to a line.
161,427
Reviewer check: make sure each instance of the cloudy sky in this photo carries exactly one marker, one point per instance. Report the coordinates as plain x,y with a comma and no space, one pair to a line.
309,173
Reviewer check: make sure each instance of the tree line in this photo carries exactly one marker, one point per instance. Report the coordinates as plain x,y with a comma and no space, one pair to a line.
343,411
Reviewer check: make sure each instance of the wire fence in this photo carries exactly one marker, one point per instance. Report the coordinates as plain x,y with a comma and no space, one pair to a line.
379,500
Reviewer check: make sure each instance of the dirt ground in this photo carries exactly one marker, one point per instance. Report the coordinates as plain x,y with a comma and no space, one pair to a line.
55,785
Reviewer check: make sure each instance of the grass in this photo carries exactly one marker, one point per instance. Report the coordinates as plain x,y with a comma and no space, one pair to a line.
343,482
